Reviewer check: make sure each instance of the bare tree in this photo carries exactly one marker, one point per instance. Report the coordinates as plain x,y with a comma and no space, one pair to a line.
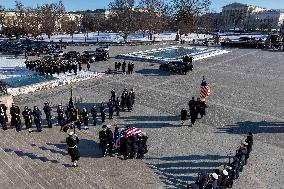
122,17
2,17
88,22
33,22
49,18
70,26
151,16
187,12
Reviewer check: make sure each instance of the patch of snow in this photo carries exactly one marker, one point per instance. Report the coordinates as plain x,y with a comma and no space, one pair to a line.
117,38
146,55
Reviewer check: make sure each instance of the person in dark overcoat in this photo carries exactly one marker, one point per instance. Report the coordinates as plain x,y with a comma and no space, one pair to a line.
72,140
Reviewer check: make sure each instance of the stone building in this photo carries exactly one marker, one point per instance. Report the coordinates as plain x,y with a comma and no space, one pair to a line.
237,15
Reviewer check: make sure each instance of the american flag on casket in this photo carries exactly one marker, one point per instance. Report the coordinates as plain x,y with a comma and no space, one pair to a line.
128,132
134,130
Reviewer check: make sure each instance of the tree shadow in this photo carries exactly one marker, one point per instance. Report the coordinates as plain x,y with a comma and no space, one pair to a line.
255,127
177,172
30,155
87,148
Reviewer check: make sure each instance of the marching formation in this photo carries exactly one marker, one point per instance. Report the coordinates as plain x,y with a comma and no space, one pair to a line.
225,178
52,66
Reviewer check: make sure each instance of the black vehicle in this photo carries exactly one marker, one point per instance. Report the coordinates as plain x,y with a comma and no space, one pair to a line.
177,66
244,42
88,56
102,54
72,54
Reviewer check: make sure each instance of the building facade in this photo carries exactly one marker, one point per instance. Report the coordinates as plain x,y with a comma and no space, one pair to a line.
269,19
237,15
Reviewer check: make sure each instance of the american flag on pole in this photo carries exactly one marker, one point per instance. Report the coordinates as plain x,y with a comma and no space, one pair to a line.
205,90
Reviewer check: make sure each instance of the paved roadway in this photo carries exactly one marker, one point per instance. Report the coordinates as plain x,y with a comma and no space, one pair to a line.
247,87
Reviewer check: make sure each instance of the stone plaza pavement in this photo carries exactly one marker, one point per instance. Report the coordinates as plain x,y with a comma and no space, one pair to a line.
247,95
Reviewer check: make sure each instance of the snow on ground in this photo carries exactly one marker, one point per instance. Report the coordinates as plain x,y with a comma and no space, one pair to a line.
197,53
14,68
235,36
117,38
58,81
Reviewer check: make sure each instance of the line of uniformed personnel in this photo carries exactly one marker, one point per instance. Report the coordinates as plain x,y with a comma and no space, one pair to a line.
222,179
115,104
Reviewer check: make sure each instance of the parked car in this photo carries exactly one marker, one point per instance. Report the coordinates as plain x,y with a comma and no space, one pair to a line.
88,56
102,54
72,54
177,66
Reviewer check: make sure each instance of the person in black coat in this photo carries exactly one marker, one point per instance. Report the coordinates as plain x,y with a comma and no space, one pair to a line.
37,118
3,118
128,103
192,104
77,121
183,115
193,115
112,95
103,140
117,106
102,107
203,107
13,114
133,146
132,95
94,114
110,139
60,115
110,109
124,67
72,140
85,116
88,66
213,183
15,117
47,110
27,114
80,66
125,145
142,146
103,116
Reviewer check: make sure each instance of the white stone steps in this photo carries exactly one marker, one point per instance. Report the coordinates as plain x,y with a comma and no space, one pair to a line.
24,164
57,171
66,159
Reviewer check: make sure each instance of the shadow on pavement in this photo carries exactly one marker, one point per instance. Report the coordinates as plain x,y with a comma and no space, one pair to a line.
254,127
87,148
30,155
177,172
154,72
